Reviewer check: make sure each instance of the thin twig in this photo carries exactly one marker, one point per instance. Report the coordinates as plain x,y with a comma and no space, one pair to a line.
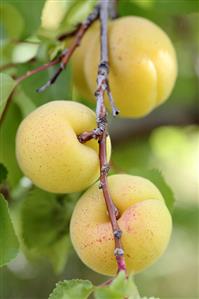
38,69
76,42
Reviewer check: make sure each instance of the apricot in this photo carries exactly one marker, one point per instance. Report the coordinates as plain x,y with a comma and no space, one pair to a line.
49,152
144,220
143,65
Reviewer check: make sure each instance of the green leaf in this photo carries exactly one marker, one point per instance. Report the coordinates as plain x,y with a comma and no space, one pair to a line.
177,7
45,226
78,13
118,289
57,254
6,54
160,8
11,21
144,3
3,173
156,177
44,219
150,298
7,85
24,52
9,245
7,140
61,16
60,90
25,104
72,289
56,50
31,14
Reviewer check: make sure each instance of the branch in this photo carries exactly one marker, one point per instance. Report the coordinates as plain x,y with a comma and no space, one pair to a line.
101,134
102,87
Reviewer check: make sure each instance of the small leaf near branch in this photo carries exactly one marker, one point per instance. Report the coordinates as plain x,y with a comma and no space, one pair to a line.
120,288
24,52
9,245
72,289
77,13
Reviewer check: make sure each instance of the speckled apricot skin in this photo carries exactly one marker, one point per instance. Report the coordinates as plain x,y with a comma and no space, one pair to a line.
49,153
143,65
144,220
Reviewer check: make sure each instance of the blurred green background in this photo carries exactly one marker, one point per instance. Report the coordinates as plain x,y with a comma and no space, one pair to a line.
167,140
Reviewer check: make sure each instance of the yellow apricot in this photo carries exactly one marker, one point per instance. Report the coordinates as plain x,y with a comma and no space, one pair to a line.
144,220
53,13
49,153
143,65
